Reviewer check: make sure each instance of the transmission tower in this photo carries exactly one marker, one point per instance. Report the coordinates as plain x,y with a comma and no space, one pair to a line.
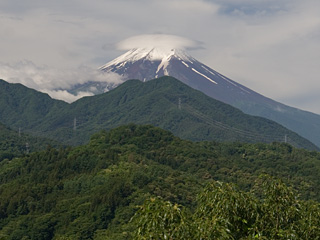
179,104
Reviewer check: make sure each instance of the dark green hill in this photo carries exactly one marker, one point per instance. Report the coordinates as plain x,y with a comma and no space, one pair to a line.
164,102
169,104
91,191
24,107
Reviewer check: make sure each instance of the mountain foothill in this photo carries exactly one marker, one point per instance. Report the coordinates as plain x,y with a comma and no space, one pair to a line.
164,102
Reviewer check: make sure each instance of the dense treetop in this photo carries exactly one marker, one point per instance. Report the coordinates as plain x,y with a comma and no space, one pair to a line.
92,191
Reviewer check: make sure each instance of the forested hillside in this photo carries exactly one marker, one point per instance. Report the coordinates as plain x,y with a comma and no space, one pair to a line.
169,104
164,102
92,191
24,107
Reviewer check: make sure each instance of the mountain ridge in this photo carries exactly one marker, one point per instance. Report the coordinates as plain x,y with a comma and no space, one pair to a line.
18,101
164,102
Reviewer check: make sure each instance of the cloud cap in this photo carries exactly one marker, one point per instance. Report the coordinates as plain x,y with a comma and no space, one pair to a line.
163,41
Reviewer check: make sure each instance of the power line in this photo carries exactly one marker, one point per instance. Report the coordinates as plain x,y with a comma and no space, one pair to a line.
244,133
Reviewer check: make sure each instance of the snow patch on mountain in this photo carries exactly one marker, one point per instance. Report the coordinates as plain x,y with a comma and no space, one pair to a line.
208,70
165,62
185,64
204,75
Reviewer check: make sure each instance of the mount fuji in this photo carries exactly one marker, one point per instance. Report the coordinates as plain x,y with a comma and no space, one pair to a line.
149,63
146,64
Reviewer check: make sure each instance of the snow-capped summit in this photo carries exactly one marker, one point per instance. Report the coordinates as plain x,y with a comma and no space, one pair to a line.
155,55
150,63
151,54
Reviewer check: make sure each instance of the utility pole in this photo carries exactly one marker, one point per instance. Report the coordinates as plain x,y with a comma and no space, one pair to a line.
75,124
19,132
27,148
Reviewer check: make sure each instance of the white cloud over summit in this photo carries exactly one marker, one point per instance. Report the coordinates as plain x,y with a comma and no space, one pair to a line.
158,41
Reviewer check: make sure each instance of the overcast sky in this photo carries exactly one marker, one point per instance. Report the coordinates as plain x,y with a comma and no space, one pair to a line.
270,46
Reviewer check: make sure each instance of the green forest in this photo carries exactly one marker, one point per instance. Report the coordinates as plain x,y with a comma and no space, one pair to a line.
197,117
142,182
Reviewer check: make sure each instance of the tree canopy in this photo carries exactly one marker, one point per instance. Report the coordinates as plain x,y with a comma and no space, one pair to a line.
208,189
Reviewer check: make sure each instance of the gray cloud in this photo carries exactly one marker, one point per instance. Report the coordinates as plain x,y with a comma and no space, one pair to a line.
66,96
51,80
270,46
